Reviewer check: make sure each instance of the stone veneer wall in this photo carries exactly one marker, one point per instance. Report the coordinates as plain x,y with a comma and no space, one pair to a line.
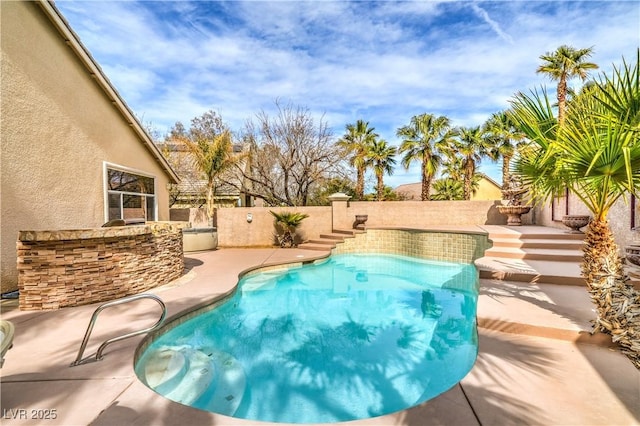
58,269
425,244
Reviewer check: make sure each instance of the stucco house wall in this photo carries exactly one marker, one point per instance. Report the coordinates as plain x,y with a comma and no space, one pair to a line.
487,189
620,217
236,229
62,122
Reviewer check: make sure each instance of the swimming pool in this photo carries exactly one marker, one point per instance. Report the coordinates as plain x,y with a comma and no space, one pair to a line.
356,336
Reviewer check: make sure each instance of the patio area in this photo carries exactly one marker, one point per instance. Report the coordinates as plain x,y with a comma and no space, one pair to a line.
537,363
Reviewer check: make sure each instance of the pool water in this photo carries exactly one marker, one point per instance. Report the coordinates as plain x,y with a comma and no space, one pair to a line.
355,337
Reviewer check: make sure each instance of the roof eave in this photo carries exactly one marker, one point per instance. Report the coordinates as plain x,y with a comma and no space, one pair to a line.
96,72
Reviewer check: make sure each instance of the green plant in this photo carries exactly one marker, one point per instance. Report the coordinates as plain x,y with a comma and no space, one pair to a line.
595,152
288,222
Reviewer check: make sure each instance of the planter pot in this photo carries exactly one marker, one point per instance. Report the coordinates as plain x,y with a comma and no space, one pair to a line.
575,222
360,220
633,255
199,239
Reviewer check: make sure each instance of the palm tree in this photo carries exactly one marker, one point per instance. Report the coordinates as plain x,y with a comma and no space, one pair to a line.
289,221
596,154
447,188
213,155
356,142
472,146
381,157
501,135
420,141
563,64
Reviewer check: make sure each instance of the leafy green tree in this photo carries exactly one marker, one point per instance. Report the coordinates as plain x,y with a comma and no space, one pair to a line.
356,143
503,139
563,64
331,186
596,154
471,144
289,222
382,159
420,141
388,194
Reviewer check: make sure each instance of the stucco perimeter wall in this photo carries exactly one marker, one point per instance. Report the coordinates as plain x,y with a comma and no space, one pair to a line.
235,231
77,267
58,128
619,218
420,214
424,244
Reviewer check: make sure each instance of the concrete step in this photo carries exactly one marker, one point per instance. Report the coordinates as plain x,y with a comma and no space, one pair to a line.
557,235
547,243
535,254
351,232
336,236
315,247
530,271
326,242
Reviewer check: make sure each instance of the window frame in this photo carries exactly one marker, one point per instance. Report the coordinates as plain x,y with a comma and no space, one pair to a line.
106,166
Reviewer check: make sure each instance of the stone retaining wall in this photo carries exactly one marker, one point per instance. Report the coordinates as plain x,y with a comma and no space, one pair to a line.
57,269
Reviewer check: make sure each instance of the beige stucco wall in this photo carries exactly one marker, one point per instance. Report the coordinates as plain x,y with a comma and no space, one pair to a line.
421,214
58,128
619,218
487,190
235,231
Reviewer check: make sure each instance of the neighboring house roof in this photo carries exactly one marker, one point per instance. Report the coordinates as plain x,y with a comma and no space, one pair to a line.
413,191
73,41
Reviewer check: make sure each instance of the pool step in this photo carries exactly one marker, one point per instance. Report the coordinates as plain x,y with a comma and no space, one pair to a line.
203,378
263,281
180,374
228,387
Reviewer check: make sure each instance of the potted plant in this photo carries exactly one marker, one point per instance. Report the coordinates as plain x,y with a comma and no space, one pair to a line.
287,222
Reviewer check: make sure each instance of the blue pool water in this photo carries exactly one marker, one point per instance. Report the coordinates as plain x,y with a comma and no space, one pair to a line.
355,337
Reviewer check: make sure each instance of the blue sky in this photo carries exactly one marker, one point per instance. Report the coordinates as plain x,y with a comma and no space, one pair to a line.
381,61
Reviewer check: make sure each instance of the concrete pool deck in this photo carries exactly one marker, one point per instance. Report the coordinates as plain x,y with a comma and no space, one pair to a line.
535,373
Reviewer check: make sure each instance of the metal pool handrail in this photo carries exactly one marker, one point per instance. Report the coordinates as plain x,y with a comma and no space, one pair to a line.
100,308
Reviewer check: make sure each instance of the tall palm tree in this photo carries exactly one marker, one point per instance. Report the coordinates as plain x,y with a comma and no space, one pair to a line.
563,64
503,139
213,155
472,146
596,154
356,143
420,141
382,159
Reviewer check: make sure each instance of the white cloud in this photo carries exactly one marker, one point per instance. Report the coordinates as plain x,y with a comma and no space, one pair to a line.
378,61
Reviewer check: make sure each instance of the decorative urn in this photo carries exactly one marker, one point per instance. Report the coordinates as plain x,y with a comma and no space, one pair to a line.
575,222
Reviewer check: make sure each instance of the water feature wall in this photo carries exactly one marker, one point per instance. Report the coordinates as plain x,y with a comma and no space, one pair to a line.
450,246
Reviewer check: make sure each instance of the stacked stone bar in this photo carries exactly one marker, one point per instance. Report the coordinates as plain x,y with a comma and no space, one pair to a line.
58,269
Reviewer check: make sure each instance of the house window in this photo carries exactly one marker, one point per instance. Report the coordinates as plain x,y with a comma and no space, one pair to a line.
130,195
